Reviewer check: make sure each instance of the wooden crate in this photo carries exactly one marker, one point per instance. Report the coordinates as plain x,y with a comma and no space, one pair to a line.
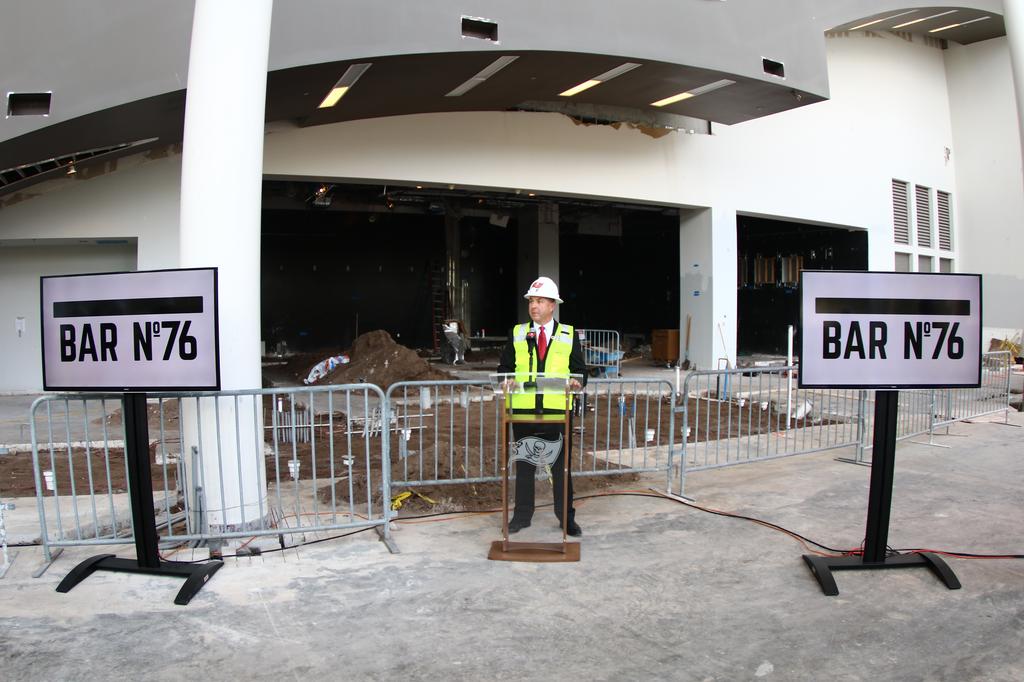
665,345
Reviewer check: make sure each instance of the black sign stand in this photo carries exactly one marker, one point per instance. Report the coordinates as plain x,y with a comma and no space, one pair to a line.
879,503
140,487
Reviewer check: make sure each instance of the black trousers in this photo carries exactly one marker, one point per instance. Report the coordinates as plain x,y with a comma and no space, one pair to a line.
526,472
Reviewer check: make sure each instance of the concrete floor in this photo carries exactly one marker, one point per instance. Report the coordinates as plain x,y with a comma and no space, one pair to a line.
663,591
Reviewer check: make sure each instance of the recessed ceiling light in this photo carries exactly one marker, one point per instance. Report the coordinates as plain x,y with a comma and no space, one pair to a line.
693,92
347,80
488,71
878,21
962,23
333,96
597,80
917,21
671,100
575,90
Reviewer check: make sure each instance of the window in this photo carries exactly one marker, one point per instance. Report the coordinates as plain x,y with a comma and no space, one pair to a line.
900,210
944,222
945,265
924,263
923,210
902,262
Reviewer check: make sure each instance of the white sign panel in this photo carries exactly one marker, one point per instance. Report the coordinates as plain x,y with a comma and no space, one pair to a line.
889,330
131,331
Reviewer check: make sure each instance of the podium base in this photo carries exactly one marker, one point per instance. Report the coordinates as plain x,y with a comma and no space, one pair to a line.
546,552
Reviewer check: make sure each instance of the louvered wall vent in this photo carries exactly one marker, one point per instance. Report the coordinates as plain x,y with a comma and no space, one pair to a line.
900,217
944,222
923,209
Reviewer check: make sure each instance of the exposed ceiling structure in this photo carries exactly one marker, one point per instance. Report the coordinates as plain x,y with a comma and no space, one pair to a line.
294,195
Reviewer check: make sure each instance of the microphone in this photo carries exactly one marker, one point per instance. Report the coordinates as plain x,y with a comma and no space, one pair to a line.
531,345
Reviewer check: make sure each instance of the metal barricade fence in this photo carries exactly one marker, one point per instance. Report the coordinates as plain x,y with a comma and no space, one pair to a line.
448,432
329,457
743,415
958,404
5,557
329,472
602,351
923,411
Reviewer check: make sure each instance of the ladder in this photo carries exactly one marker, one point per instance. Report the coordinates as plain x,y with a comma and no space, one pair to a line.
438,302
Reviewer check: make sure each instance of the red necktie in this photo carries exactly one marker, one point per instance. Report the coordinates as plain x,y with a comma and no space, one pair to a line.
542,344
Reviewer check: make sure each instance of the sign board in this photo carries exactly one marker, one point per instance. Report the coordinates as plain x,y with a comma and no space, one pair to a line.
889,330
131,331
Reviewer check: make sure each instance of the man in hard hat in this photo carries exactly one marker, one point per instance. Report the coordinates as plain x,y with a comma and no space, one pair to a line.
542,345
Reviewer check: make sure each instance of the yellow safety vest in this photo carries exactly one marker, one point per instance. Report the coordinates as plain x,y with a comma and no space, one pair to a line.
556,363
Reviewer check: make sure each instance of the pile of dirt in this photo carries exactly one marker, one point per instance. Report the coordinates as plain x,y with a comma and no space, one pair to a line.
375,358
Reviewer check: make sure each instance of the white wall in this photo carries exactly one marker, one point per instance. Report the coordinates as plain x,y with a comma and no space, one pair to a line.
140,199
833,162
990,206
54,231
20,269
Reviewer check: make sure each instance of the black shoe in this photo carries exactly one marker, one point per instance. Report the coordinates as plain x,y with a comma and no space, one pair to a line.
516,525
573,530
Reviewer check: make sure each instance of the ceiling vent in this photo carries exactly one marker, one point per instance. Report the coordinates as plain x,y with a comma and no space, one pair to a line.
28,103
482,29
773,68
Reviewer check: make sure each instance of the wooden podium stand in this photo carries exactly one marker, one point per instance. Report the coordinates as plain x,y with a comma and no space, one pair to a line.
505,549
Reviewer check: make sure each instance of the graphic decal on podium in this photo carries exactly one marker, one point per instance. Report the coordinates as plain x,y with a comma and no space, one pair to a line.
537,451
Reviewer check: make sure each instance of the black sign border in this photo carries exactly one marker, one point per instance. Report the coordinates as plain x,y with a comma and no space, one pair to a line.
800,346
132,389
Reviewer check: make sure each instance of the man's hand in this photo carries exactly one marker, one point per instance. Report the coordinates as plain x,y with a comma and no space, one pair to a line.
575,385
508,385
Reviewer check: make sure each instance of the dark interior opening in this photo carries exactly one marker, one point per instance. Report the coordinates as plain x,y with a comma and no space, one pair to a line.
342,260
627,282
771,254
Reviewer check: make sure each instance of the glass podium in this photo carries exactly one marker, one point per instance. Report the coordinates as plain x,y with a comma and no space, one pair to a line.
511,388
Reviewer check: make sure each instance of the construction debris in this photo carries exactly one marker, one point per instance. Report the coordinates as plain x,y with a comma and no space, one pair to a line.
375,358
325,367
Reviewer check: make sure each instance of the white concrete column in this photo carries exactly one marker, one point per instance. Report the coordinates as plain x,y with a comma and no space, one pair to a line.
221,184
707,274
1013,19
538,248
547,245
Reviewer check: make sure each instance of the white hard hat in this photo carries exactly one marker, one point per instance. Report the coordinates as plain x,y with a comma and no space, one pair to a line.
545,287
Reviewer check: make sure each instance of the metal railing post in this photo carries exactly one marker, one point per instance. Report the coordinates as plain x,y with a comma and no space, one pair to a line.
385,462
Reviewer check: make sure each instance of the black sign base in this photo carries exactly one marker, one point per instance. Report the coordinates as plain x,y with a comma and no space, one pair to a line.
195,575
140,488
822,568
879,503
